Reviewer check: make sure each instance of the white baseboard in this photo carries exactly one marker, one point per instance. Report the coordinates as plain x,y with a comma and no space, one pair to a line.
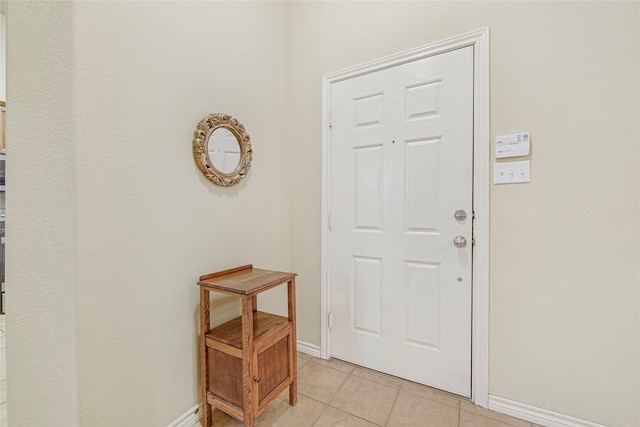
191,418
310,349
536,415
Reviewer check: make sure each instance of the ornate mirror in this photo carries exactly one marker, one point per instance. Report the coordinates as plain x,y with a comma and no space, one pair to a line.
222,149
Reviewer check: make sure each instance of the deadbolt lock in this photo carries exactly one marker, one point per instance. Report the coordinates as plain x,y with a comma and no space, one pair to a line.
460,215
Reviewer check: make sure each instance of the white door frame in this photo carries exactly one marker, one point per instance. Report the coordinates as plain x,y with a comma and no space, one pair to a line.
479,39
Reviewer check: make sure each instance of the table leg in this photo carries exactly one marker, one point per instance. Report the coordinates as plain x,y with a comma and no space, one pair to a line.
293,388
248,369
205,325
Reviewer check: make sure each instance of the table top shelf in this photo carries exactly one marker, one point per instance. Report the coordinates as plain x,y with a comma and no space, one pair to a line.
244,280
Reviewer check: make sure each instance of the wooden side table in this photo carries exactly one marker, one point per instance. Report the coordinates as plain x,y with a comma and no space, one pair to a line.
247,362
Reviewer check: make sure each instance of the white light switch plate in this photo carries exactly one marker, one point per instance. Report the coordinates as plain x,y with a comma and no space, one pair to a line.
512,172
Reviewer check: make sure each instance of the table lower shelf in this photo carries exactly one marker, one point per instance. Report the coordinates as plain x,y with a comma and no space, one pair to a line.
265,325
270,370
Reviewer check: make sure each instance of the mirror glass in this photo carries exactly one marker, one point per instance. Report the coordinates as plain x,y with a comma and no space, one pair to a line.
222,149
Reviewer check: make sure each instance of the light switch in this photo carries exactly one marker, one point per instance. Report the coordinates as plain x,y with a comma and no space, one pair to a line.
512,172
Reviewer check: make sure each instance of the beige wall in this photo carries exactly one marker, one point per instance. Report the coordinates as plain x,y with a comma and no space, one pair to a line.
41,267
564,297
149,223
113,222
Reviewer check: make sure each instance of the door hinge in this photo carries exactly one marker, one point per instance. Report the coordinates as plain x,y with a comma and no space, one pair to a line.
330,320
329,220
330,118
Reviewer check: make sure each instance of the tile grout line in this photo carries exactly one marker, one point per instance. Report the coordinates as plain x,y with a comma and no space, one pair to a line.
372,382
319,416
326,405
351,374
393,406
341,384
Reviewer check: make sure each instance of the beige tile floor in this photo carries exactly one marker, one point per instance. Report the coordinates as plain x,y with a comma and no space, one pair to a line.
336,393
339,394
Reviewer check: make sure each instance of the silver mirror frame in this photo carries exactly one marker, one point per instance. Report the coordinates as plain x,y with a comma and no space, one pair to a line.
202,134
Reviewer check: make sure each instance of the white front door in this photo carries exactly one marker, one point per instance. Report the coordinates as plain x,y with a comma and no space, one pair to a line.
401,158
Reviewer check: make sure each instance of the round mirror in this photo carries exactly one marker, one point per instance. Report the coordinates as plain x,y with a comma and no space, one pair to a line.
222,149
